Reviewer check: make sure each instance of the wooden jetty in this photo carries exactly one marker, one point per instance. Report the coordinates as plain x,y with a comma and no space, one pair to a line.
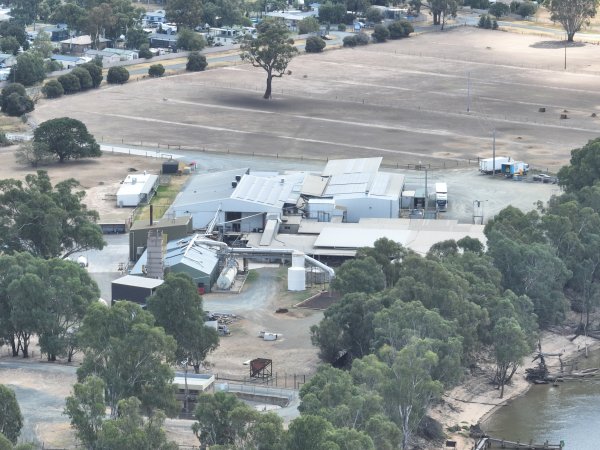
487,442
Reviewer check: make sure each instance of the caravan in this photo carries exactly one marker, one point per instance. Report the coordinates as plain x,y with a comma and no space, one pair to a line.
441,196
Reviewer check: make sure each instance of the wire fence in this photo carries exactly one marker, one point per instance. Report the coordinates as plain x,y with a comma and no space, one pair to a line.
145,149
285,381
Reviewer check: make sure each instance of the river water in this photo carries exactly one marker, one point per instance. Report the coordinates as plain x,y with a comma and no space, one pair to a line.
569,412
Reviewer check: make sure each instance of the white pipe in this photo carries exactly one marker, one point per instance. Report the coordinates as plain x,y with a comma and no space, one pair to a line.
319,264
282,252
209,242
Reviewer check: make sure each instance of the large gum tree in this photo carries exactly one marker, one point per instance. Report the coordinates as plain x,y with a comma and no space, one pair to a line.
271,49
572,14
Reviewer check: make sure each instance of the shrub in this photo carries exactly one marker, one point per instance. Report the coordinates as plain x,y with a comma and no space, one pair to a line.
190,40
342,27
396,30
314,44
487,22
526,9
308,25
381,33
15,101
374,15
499,9
70,83
9,44
85,79
362,38
9,89
52,66
349,41
478,4
196,62
145,52
53,89
4,141
29,69
408,28
98,61
156,70
117,75
17,105
95,72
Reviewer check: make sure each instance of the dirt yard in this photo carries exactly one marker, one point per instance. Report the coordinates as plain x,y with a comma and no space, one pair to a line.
99,177
292,353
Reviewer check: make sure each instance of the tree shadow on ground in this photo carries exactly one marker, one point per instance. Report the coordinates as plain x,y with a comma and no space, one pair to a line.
557,44
280,102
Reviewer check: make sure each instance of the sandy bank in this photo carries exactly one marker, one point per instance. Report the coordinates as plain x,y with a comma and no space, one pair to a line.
476,398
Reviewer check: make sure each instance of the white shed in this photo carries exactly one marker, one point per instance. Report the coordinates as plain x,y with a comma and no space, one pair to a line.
136,189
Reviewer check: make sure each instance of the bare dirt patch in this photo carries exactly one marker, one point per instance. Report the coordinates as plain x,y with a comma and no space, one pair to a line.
322,301
292,353
99,177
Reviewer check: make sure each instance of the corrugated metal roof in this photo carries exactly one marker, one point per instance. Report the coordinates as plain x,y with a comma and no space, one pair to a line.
338,189
314,185
143,282
354,165
269,232
205,187
387,184
137,184
193,254
165,222
271,191
418,235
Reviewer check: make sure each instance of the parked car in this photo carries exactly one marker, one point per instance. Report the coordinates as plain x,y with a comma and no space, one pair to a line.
545,178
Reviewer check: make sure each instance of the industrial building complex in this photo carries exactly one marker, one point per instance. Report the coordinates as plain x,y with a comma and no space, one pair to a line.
316,220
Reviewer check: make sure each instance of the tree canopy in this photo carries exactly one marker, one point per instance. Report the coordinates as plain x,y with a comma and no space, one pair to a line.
572,14
124,348
48,221
129,430
177,307
11,420
271,50
583,169
28,70
184,13
67,138
224,420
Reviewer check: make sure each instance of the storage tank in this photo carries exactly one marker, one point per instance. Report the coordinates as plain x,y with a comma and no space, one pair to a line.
296,279
297,259
82,261
226,278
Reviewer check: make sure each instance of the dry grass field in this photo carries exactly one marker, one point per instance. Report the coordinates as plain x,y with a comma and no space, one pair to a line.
405,100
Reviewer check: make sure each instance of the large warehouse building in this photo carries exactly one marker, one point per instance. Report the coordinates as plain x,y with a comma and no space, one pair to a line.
239,201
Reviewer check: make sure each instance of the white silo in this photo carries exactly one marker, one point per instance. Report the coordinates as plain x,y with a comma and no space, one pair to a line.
297,259
296,279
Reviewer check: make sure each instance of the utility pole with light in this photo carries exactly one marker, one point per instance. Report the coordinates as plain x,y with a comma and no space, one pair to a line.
566,38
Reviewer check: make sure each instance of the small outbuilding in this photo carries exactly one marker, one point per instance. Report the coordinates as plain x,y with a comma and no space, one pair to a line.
136,189
134,289
174,228
171,166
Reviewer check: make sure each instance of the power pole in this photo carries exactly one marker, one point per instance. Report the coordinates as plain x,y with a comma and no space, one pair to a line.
494,153
426,193
566,37
468,91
